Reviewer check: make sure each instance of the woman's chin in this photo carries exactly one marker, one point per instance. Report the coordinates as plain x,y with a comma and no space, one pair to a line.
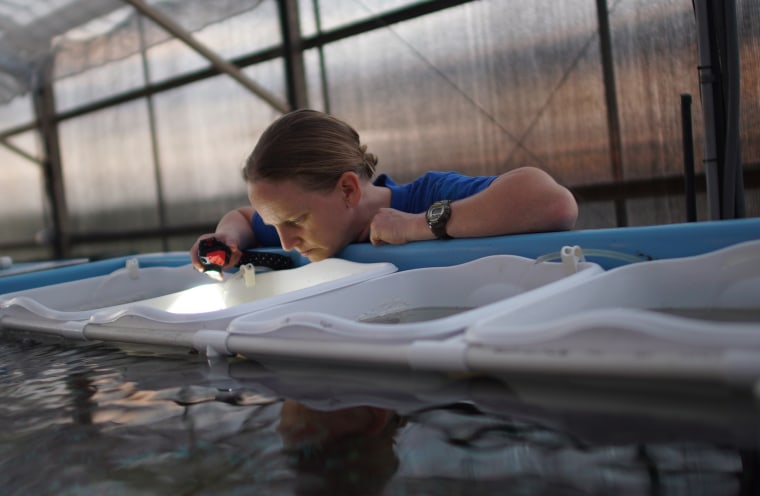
314,255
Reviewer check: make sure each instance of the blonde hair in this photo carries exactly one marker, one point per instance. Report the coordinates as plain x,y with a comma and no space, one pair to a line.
310,147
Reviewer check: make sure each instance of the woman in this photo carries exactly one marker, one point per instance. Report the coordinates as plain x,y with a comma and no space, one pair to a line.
311,188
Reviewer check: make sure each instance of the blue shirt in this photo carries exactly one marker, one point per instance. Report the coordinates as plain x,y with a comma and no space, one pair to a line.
413,197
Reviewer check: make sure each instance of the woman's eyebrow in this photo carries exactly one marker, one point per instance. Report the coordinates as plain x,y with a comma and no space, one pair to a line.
291,219
296,219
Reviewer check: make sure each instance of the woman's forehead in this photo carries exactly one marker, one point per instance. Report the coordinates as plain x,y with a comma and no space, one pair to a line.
275,201
280,201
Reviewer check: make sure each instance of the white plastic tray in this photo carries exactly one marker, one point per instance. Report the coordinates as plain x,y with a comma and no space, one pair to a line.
179,296
660,318
333,325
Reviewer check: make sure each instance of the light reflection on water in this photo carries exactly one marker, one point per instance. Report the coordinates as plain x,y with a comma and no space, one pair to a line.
94,419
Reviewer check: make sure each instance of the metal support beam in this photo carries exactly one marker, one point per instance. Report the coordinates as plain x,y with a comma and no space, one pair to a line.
18,151
44,105
160,201
610,97
322,65
218,62
295,73
712,109
379,21
719,80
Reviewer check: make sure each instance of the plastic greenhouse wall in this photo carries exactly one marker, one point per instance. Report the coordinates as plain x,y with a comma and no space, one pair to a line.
480,88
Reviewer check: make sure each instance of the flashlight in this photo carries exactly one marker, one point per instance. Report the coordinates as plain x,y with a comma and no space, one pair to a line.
214,255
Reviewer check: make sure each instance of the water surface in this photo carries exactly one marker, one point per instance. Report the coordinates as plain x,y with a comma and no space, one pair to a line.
416,314
96,419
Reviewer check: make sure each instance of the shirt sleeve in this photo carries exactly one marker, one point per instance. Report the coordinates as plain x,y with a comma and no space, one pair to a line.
417,196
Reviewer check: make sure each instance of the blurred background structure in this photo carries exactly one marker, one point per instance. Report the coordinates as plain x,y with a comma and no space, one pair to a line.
124,124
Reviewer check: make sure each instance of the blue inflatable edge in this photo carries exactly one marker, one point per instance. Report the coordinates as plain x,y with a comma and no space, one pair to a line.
622,244
86,270
609,248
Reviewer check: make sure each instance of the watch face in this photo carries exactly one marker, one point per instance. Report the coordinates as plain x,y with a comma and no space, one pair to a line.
437,216
436,211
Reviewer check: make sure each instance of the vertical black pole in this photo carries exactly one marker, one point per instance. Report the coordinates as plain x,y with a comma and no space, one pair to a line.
44,105
688,158
153,139
712,105
733,184
322,65
613,117
295,72
719,81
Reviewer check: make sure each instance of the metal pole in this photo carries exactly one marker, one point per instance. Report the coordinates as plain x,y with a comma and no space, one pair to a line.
708,81
322,65
153,139
613,117
688,158
733,188
44,105
295,72
18,151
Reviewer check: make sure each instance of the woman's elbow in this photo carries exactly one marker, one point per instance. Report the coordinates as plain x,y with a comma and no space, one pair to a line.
557,203
562,211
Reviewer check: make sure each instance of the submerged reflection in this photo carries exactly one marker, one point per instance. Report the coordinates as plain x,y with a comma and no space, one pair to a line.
82,389
347,451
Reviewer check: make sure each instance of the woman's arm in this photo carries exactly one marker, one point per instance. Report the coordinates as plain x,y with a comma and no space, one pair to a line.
520,201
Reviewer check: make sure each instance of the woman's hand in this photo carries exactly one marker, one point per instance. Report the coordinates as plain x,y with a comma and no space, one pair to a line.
232,243
390,226
234,230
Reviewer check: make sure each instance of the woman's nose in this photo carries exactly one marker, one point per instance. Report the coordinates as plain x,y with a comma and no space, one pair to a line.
287,239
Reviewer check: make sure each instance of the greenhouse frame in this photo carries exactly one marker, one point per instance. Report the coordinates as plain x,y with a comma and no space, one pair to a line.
124,124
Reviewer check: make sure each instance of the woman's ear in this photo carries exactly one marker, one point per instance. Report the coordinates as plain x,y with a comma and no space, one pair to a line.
350,188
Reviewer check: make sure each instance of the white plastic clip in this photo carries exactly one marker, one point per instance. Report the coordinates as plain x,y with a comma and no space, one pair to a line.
249,275
6,262
73,330
133,268
571,256
213,343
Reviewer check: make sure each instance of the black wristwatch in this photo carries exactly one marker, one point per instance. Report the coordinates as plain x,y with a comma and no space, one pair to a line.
437,215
